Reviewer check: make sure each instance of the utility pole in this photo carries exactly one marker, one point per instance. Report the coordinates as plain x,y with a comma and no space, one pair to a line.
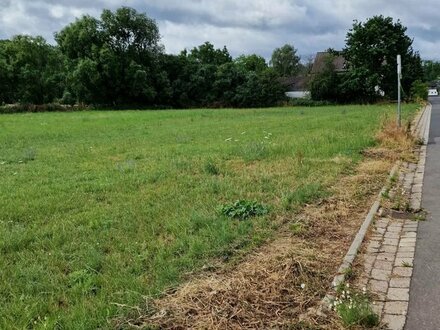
399,76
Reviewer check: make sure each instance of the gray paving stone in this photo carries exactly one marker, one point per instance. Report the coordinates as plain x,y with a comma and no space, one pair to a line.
373,245
404,262
394,322
411,225
409,235
407,230
391,241
378,286
369,258
404,254
408,240
400,282
394,229
406,249
417,188
387,256
388,248
396,307
417,195
380,274
380,231
407,244
412,167
402,271
382,264
390,234
399,294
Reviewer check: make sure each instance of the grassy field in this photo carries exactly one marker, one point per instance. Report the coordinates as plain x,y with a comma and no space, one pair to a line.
99,209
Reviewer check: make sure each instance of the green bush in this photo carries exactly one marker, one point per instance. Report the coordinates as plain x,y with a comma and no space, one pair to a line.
50,107
419,91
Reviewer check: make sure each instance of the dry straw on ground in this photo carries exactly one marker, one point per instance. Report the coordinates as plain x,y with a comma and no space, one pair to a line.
274,286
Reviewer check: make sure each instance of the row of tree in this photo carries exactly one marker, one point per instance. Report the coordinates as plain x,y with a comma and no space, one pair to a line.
118,60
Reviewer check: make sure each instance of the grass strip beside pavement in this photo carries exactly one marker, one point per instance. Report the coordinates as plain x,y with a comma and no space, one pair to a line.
99,209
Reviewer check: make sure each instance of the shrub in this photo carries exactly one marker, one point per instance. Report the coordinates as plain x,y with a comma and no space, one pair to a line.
419,91
49,107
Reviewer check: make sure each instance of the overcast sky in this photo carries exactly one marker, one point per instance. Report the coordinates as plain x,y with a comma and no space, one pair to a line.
244,26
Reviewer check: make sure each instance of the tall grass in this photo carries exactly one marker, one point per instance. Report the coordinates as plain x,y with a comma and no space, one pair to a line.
99,209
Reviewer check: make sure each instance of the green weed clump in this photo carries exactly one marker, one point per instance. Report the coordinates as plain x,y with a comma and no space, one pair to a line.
243,209
354,308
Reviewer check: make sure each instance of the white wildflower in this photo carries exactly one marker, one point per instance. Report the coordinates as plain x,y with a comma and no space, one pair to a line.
303,285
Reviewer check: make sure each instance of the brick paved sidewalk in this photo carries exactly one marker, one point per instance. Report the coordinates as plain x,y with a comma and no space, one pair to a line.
389,256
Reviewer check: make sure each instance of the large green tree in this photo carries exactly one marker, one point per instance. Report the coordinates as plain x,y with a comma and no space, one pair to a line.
253,62
285,61
431,70
31,70
114,59
371,51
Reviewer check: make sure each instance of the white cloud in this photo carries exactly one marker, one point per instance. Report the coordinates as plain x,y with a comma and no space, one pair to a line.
245,26
242,13
238,40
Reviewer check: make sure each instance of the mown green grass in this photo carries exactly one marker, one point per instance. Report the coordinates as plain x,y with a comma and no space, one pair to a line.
104,208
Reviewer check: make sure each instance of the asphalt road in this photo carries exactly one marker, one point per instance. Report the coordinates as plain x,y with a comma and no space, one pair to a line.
424,301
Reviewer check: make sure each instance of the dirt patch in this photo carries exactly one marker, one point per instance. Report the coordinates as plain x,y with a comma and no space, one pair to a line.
276,284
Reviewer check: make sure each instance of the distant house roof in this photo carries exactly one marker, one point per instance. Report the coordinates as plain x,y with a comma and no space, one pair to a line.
295,83
320,62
